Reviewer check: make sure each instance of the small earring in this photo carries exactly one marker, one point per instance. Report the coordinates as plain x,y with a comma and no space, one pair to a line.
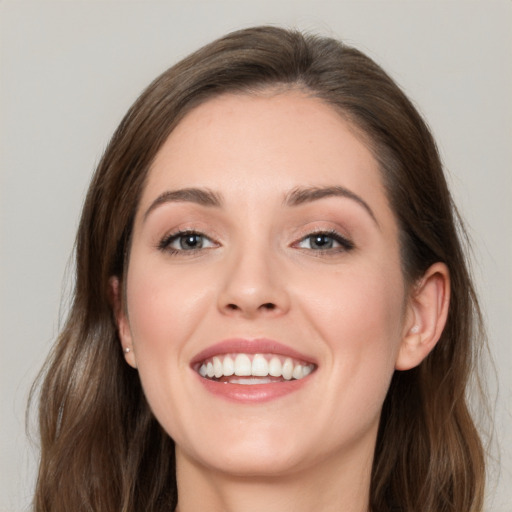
126,350
415,329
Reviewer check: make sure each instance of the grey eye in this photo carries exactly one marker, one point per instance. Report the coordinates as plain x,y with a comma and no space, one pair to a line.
325,242
186,241
321,241
318,241
189,241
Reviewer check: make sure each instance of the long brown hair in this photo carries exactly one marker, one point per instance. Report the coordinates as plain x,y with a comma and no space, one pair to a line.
101,447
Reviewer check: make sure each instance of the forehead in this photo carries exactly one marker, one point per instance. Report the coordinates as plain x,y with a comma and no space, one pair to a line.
260,144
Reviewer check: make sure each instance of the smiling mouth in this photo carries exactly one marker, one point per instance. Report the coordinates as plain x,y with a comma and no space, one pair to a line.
251,369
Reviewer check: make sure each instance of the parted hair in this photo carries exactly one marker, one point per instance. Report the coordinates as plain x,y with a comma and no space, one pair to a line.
102,450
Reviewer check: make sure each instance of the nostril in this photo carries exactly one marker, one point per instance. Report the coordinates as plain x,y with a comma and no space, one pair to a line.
267,306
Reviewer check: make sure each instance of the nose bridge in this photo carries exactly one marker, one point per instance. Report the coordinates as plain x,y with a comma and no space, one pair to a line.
252,281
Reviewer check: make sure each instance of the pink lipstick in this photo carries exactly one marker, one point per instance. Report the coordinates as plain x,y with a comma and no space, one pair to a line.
256,370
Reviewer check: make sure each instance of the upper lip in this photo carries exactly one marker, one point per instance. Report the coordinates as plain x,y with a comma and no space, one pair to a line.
250,346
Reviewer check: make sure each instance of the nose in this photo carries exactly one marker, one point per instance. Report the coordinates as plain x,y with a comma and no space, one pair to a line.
253,286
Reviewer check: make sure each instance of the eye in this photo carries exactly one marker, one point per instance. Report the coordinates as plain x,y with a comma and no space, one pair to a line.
325,241
185,241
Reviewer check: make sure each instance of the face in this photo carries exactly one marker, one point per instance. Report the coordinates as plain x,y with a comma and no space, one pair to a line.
265,303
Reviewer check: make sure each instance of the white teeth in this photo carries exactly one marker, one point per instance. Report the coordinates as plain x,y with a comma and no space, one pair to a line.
275,367
243,366
228,366
217,367
258,366
297,372
287,369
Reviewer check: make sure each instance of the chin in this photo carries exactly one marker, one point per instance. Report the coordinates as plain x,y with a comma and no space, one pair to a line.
249,463
254,455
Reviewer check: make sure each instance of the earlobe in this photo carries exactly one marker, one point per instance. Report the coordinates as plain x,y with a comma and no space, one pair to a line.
121,318
426,317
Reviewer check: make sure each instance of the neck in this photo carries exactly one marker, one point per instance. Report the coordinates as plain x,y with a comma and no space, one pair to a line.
330,488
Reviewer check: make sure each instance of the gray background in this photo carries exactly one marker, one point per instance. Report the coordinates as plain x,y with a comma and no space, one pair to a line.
68,72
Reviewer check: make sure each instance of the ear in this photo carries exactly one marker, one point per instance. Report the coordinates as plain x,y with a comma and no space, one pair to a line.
426,317
115,294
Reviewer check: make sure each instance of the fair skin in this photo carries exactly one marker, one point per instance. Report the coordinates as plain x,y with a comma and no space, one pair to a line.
318,272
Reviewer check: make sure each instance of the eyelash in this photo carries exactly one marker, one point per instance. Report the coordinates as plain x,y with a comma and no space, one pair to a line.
345,245
165,243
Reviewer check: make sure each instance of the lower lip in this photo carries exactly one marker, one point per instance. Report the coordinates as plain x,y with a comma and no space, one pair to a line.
253,393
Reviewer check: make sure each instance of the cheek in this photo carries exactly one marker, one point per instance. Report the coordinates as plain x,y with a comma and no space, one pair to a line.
359,317
160,321
163,308
163,314
365,302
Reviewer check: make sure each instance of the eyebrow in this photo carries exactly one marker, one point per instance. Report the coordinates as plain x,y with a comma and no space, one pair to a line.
296,197
300,196
203,197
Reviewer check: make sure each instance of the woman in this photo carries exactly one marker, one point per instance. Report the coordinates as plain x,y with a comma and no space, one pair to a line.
272,307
